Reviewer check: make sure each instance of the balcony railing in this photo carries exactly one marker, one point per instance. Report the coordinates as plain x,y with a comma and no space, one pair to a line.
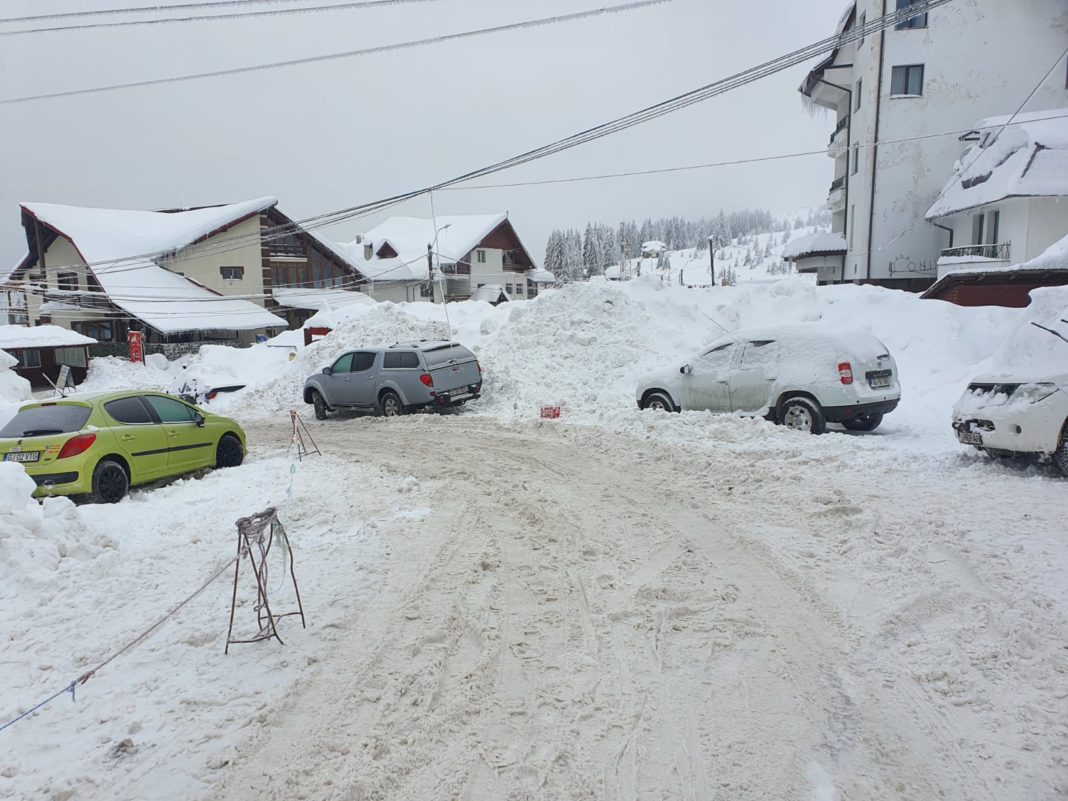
836,184
999,251
842,125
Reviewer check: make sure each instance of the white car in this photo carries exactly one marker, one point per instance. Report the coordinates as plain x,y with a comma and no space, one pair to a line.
802,375
1017,413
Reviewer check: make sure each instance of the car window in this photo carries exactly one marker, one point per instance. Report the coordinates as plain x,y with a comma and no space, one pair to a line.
720,356
400,359
342,365
362,361
41,420
446,353
170,410
128,410
759,353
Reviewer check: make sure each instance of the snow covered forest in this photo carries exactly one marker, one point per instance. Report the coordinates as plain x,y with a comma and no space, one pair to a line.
575,256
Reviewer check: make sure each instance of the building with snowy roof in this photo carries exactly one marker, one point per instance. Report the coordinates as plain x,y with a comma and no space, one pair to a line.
821,252
465,251
40,352
178,276
895,93
1006,202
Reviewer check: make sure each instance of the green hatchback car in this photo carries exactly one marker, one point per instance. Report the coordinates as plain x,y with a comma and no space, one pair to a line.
101,444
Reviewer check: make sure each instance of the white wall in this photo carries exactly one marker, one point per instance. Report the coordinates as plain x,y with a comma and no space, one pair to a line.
203,267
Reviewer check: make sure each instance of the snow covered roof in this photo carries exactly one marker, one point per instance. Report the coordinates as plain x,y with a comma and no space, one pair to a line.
814,244
1053,257
408,237
653,246
1028,159
121,247
543,276
490,293
41,336
319,299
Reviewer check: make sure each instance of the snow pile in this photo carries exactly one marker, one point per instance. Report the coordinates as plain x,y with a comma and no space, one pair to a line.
40,336
1035,349
35,538
14,389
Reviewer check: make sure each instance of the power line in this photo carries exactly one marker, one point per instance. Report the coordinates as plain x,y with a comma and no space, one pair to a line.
274,12
614,126
146,9
433,40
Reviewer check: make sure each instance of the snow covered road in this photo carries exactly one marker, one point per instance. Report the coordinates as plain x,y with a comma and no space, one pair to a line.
583,614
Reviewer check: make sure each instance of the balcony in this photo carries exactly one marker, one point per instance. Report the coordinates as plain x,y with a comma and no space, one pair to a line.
998,252
836,195
972,256
839,142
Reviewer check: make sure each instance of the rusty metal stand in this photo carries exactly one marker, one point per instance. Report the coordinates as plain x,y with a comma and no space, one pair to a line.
300,431
255,536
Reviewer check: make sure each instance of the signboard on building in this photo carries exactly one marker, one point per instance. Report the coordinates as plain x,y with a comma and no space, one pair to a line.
261,338
137,347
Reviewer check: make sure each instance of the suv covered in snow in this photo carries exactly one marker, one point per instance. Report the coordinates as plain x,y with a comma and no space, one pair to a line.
396,379
802,375
1020,413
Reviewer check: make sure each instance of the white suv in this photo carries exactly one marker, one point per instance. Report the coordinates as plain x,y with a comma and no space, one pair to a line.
803,376
1018,413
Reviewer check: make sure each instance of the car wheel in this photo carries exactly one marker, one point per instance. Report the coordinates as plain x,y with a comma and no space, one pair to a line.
229,452
1060,456
803,414
110,482
319,402
390,404
863,422
659,402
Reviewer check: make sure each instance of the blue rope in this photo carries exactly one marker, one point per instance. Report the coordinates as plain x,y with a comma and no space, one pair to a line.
70,688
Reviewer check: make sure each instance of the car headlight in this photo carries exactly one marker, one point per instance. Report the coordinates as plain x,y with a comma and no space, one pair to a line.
1036,392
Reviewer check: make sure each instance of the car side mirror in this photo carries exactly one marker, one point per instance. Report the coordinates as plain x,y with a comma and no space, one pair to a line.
327,371
686,369
198,418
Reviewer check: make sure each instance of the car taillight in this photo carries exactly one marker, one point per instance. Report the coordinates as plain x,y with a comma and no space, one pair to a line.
76,445
845,372
427,380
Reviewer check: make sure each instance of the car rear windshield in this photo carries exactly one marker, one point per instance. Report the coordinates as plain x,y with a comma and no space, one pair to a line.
40,421
446,353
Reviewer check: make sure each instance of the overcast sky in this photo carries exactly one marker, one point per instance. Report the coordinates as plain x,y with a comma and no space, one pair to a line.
336,134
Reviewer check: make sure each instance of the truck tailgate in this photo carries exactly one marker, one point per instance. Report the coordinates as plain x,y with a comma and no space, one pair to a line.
459,374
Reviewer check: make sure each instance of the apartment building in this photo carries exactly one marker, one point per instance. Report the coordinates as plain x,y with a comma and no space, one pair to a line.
901,98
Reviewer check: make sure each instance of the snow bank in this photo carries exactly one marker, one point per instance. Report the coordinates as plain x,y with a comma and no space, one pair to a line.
14,389
35,538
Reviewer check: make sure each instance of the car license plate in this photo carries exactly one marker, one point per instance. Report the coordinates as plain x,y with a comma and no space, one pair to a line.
970,437
22,456
880,382
459,396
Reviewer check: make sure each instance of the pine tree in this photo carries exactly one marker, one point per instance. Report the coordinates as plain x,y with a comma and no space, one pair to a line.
591,251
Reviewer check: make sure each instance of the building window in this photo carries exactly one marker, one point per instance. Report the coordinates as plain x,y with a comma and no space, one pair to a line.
73,357
480,256
426,290
533,293
30,357
509,289
67,282
978,228
232,273
520,289
863,22
855,157
857,94
368,252
907,81
993,222
919,21
98,330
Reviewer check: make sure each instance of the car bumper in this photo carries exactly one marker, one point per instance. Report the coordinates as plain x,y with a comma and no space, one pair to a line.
836,414
1003,434
67,482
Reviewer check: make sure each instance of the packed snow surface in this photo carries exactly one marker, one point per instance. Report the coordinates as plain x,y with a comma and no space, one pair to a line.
617,604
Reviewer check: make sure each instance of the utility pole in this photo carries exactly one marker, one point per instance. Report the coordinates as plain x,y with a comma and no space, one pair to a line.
430,270
711,262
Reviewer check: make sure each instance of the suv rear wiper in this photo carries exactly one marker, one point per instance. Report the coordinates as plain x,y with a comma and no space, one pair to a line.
40,432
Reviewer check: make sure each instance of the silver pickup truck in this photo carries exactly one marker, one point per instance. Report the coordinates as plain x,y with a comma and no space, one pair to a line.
397,379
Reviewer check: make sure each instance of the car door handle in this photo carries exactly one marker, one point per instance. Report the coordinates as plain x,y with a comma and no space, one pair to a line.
346,378
126,437
174,433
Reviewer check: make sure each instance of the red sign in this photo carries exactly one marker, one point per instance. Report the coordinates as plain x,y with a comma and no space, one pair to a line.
550,412
137,348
